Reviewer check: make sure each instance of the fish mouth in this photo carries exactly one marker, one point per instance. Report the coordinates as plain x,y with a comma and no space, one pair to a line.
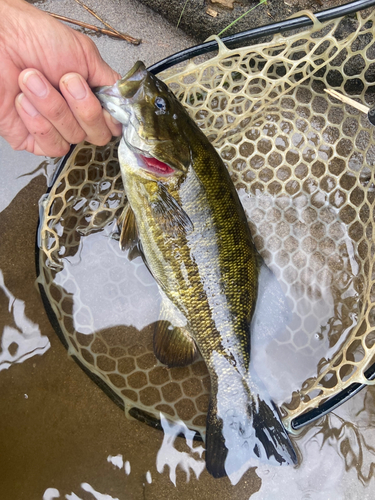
112,100
147,158
156,166
152,164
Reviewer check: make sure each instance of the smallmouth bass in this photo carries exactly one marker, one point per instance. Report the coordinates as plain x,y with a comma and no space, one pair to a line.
184,217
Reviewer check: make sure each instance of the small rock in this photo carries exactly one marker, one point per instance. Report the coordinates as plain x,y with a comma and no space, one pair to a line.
211,12
227,4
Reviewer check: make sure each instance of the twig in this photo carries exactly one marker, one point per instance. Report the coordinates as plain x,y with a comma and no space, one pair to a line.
101,20
343,98
122,36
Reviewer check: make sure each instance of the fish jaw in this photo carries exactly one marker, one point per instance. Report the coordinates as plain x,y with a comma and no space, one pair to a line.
112,100
116,99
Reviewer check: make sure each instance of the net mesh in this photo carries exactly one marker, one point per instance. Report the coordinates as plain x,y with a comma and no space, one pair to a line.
302,164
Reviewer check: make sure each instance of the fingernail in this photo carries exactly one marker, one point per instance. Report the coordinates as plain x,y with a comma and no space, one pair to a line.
27,106
35,84
75,87
116,122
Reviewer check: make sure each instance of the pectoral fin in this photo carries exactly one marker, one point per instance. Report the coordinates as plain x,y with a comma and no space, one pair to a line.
168,213
173,345
129,239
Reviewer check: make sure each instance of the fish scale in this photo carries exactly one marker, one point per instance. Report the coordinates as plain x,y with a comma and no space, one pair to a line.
197,312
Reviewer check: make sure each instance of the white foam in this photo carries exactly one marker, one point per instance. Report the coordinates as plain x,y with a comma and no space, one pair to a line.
169,456
25,336
116,460
51,494
127,467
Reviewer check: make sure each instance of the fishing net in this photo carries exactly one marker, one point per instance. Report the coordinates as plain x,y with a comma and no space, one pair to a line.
302,163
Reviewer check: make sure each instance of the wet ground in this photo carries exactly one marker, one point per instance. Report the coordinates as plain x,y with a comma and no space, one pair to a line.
61,436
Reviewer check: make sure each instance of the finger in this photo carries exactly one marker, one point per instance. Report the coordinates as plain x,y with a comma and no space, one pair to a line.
86,108
47,139
50,104
114,125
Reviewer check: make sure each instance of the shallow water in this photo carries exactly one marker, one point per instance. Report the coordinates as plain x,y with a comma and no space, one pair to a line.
62,437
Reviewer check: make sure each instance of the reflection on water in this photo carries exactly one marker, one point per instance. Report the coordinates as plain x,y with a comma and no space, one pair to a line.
51,494
322,306
21,338
338,457
106,288
22,171
117,461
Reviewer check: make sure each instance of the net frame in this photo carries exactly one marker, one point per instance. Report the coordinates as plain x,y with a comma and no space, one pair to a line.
306,411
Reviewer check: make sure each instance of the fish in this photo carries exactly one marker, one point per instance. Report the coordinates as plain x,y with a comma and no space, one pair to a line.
184,217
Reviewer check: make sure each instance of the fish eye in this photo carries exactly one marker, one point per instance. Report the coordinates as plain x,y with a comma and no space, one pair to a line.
160,103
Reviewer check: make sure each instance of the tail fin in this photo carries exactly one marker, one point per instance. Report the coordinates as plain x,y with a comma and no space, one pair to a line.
245,435
270,433
216,451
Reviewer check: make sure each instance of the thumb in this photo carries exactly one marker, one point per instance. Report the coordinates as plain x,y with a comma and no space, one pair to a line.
99,72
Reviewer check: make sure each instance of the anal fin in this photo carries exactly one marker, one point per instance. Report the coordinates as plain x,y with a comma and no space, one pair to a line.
173,345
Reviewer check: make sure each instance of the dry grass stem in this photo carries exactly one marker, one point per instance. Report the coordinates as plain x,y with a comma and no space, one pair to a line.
122,36
343,98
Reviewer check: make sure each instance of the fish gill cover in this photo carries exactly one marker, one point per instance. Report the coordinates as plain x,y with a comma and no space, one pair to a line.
301,162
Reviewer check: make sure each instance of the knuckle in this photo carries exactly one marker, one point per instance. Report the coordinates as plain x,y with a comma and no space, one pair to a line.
91,116
57,111
90,48
43,130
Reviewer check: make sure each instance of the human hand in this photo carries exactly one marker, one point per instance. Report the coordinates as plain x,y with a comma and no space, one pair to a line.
38,56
